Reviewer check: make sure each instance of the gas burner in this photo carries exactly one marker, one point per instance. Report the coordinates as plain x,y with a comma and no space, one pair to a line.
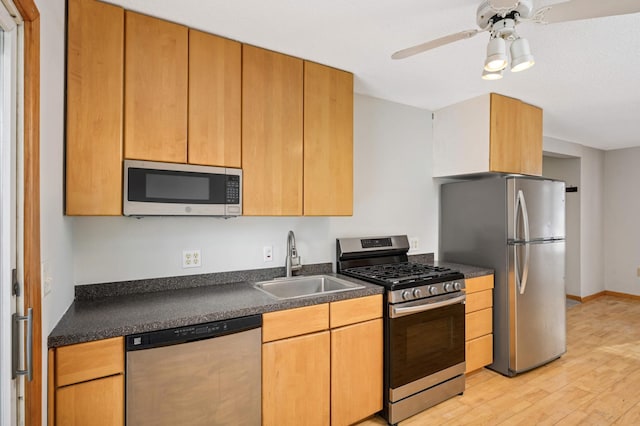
400,273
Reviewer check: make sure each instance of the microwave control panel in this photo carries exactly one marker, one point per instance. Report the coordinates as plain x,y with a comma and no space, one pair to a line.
233,189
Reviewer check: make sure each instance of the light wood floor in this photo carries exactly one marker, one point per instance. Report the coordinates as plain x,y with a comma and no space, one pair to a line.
597,382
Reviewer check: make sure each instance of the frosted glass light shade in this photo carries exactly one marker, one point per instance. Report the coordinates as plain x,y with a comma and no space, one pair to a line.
521,57
496,55
491,75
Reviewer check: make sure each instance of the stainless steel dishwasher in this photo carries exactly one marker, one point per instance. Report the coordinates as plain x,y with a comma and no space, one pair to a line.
206,374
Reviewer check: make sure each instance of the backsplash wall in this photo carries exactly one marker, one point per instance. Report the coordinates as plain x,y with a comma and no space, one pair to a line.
393,194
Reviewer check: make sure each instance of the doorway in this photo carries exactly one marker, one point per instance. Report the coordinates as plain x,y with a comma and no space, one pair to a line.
567,169
10,389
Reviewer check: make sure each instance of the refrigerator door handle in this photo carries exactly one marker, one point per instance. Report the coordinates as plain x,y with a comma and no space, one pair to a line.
522,204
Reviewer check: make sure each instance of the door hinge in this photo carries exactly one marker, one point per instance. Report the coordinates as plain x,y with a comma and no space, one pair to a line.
15,285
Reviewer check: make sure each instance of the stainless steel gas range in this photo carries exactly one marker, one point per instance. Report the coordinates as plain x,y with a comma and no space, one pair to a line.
424,327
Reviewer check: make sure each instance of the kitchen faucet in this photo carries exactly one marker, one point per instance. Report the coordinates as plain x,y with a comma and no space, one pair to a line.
292,262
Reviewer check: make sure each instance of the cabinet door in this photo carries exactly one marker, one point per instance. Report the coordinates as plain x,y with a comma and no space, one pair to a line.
155,97
530,135
478,353
97,402
328,141
295,381
271,133
214,100
504,150
95,46
356,372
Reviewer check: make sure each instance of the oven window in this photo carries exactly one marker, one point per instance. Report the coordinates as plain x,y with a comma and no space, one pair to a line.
424,343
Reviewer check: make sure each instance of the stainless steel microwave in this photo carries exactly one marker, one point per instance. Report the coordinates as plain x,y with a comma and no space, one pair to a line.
170,189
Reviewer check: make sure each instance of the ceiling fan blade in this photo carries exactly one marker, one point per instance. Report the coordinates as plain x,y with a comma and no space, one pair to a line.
574,10
414,50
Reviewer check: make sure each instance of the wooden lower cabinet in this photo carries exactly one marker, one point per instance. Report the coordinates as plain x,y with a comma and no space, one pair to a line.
295,380
331,371
356,372
86,384
479,352
97,402
479,322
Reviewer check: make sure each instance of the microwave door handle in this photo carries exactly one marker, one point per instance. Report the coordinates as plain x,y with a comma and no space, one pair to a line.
396,312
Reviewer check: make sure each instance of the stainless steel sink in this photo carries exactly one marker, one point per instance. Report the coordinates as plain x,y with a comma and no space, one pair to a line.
289,288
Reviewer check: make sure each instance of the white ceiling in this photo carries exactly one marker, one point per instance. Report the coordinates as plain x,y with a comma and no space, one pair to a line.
586,77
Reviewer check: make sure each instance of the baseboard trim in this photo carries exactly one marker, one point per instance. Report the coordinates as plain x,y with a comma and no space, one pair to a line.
623,295
603,293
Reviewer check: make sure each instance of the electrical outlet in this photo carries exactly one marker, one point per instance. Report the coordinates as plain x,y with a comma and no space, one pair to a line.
413,243
638,272
267,254
191,259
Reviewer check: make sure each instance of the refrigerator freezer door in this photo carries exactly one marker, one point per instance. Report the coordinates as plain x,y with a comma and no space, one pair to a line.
545,205
538,318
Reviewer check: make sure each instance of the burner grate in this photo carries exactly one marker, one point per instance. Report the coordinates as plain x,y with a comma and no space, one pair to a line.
395,273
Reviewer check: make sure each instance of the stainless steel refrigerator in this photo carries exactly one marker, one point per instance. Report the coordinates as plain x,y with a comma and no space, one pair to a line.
515,225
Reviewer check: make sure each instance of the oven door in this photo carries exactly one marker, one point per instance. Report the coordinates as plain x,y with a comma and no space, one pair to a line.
426,343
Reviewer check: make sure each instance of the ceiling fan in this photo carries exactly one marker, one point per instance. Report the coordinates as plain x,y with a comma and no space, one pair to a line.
500,18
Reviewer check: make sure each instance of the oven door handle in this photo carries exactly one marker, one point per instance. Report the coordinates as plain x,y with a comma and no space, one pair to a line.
396,312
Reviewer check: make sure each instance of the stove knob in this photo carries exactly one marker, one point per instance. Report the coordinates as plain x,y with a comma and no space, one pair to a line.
406,295
417,292
448,287
457,286
433,291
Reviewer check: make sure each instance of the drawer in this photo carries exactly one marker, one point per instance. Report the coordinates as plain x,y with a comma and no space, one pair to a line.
88,361
478,283
479,300
352,311
479,353
478,323
294,322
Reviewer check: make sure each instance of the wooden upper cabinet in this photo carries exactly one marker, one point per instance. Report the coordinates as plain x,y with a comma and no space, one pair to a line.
504,146
328,141
516,136
215,71
272,99
530,133
95,44
489,133
156,73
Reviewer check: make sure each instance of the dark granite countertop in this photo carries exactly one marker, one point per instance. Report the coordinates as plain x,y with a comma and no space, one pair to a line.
469,271
120,315
100,311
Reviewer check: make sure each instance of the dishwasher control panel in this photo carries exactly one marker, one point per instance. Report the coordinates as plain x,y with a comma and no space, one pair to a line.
190,333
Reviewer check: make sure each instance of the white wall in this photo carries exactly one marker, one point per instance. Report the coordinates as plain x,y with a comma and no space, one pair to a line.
393,194
622,220
591,211
55,229
568,170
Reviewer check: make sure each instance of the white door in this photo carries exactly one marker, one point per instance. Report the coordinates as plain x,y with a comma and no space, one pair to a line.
11,389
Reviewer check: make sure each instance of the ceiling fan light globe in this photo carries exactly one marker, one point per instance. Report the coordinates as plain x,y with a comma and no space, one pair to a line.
523,63
496,55
491,75
494,64
521,57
